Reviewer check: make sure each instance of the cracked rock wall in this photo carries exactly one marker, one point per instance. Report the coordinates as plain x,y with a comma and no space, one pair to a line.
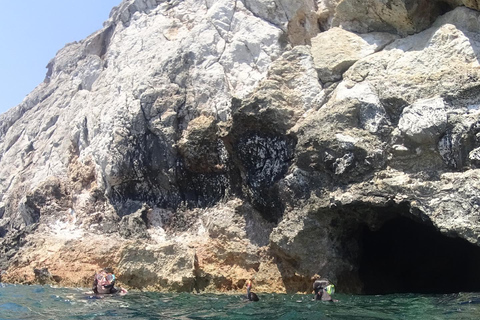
194,144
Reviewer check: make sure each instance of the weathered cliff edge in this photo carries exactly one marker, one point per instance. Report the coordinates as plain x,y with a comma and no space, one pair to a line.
194,144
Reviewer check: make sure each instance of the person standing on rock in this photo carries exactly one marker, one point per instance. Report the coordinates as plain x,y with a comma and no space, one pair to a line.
104,283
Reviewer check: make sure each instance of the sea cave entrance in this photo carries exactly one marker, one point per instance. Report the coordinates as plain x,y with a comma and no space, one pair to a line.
408,256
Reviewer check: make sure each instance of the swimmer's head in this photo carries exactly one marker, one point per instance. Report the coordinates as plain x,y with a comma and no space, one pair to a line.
104,281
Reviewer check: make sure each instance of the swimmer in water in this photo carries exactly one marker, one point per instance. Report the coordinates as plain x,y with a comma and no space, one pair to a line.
250,295
104,283
323,289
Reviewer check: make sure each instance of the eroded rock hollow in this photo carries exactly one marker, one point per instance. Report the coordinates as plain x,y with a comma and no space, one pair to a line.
192,145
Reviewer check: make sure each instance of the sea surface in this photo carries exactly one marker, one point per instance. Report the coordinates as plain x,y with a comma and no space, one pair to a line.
45,302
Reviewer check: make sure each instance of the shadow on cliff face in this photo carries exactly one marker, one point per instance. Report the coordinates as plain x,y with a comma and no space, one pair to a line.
265,160
146,178
262,151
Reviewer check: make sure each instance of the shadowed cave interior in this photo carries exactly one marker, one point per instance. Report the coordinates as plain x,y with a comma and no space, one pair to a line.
406,256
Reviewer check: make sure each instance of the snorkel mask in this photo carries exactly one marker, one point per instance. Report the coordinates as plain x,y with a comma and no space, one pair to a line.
109,277
330,289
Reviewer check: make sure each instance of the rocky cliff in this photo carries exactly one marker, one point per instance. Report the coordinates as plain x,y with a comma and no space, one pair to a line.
192,145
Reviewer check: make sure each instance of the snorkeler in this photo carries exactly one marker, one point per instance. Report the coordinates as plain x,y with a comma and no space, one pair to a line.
104,283
323,289
251,295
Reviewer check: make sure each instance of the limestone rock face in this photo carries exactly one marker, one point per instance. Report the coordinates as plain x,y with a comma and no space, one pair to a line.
404,17
336,50
424,121
193,145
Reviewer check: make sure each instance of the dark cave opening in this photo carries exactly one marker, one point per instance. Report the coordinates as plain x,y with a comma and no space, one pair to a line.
405,256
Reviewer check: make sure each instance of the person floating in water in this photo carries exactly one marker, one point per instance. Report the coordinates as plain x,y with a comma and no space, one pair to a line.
104,283
250,295
323,289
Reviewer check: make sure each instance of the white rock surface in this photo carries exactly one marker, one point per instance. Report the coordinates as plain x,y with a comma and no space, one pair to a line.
424,121
336,50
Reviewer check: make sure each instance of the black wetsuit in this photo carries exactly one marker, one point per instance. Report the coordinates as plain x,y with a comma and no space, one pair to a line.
251,296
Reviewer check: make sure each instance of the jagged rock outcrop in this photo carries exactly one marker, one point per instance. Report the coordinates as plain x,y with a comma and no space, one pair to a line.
192,145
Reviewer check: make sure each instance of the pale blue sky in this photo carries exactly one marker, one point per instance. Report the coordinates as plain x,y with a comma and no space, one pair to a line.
31,33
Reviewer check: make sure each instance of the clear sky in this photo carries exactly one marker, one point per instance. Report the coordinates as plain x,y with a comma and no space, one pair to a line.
31,33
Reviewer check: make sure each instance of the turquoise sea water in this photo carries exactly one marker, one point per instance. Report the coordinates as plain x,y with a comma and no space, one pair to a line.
44,302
